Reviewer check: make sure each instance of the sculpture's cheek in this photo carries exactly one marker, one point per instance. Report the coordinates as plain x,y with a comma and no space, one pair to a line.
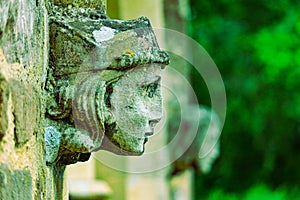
129,111
132,118
133,124
129,143
154,105
136,106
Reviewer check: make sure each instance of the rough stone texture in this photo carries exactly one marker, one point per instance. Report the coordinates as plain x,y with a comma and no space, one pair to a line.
23,59
4,93
94,4
21,34
26,111
94,62
16,184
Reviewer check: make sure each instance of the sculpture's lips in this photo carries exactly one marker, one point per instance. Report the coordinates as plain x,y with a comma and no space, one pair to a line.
146,139
149,133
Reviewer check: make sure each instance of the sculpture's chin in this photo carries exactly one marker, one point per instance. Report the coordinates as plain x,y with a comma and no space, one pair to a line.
116,148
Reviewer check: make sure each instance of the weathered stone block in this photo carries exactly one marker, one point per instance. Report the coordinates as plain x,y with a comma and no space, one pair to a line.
4,95
16,184
25,110
21,28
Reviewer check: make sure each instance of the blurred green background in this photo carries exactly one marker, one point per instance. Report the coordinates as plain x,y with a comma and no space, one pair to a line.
256,46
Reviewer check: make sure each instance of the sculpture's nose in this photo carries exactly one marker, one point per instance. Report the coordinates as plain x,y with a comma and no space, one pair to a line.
155,116
152,124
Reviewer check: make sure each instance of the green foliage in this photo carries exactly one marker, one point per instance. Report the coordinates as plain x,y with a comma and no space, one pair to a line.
219,194
255,44
277,49
257,192
262,192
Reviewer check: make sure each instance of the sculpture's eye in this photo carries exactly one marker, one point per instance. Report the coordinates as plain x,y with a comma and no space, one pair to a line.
151,89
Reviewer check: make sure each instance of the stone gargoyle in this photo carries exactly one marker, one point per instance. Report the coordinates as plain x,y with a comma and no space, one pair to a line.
103,85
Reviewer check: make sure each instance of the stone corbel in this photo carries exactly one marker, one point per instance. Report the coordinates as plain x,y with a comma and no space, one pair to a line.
103,85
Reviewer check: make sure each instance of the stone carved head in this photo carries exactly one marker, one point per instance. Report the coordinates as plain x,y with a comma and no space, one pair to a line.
135,107
106,79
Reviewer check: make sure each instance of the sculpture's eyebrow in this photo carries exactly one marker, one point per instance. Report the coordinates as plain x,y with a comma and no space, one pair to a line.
156,79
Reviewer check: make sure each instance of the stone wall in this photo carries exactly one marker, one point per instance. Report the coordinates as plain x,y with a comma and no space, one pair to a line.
23,62
24,47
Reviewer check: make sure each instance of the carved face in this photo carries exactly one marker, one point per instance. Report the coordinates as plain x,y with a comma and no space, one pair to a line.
136,107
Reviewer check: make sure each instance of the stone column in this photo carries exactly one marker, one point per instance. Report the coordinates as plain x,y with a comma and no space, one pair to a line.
23,64
24,32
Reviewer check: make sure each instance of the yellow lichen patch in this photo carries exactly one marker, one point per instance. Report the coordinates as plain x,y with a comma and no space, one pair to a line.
129,52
